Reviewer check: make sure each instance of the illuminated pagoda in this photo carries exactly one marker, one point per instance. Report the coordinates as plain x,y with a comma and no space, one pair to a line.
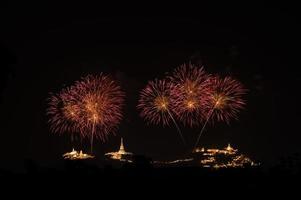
121,154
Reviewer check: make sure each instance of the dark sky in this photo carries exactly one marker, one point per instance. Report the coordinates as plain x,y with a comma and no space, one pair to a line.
45,47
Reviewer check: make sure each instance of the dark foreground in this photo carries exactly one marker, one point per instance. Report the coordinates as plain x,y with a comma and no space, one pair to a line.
86,175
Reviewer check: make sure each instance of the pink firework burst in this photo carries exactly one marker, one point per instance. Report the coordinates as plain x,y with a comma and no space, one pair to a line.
225,99
100,103
156,105
223,102
189,93
154,102
62,114
91,107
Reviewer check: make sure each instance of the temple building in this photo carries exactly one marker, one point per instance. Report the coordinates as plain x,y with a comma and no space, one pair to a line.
227,150
75,155
227,157
222,158
121,154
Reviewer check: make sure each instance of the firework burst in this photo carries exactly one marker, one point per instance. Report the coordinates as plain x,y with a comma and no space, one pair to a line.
63,116
100,103
154,102
224,101
91,107
189,93
156,105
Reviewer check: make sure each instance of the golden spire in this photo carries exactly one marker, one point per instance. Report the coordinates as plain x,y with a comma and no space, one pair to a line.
121,149
229,148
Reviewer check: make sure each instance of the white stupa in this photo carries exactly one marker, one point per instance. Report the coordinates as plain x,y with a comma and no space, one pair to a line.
120,154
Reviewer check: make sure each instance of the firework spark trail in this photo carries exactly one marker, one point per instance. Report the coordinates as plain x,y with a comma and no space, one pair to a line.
203,128
177,127
155,104
93,129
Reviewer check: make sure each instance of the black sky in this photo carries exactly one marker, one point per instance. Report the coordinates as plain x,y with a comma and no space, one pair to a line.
44,47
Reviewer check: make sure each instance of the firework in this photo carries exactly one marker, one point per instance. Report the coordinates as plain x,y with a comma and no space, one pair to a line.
91,107
225,99
189,93
59,120
224,102
154,102
63,114
156,105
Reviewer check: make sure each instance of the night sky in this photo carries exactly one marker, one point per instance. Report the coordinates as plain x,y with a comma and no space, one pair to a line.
46,48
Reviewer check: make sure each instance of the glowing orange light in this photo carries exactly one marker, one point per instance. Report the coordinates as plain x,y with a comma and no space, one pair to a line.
220,101
161,103
190,104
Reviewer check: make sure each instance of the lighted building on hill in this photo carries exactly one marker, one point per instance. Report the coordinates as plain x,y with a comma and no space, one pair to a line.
121,154
76,155
212,158
222,158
